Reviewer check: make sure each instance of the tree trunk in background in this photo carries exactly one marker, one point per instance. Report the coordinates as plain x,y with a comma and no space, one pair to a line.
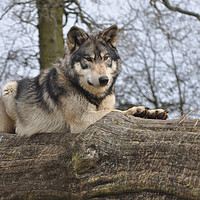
51,41
118,158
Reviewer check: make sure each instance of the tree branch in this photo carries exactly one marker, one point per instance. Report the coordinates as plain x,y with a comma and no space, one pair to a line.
10,7
177,9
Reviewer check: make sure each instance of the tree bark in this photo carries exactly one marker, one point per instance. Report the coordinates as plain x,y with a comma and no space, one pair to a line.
118,157
51,43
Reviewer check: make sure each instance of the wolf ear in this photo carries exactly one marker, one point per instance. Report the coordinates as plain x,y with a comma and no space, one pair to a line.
75,38
110,35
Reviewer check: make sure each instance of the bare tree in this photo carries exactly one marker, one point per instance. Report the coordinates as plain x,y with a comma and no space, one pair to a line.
160,60
50,24
40,24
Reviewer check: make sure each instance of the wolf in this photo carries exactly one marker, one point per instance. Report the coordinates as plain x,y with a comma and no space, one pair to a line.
76,91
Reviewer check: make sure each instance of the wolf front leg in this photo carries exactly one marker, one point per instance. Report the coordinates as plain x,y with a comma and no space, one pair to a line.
91,117
136,111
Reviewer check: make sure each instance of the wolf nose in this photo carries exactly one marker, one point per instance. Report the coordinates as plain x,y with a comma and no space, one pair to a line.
103,80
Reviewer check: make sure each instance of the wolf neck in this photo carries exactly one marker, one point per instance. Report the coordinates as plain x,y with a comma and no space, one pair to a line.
94,99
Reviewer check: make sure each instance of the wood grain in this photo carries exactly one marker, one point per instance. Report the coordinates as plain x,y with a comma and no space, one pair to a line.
119,157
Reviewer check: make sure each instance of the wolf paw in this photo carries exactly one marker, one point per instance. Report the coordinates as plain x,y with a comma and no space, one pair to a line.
146,113
9,88
157,114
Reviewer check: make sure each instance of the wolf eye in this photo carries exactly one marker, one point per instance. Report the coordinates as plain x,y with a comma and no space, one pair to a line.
89,59
84,67
106,57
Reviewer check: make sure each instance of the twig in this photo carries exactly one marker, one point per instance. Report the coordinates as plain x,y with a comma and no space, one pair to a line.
195,124
177,9
185,116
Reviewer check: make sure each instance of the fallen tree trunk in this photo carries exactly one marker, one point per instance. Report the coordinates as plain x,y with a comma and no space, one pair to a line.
119,157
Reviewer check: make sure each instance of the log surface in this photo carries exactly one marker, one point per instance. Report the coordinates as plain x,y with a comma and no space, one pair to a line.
119,157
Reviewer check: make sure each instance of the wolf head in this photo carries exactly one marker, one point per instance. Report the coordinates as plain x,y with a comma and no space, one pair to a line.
93,63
